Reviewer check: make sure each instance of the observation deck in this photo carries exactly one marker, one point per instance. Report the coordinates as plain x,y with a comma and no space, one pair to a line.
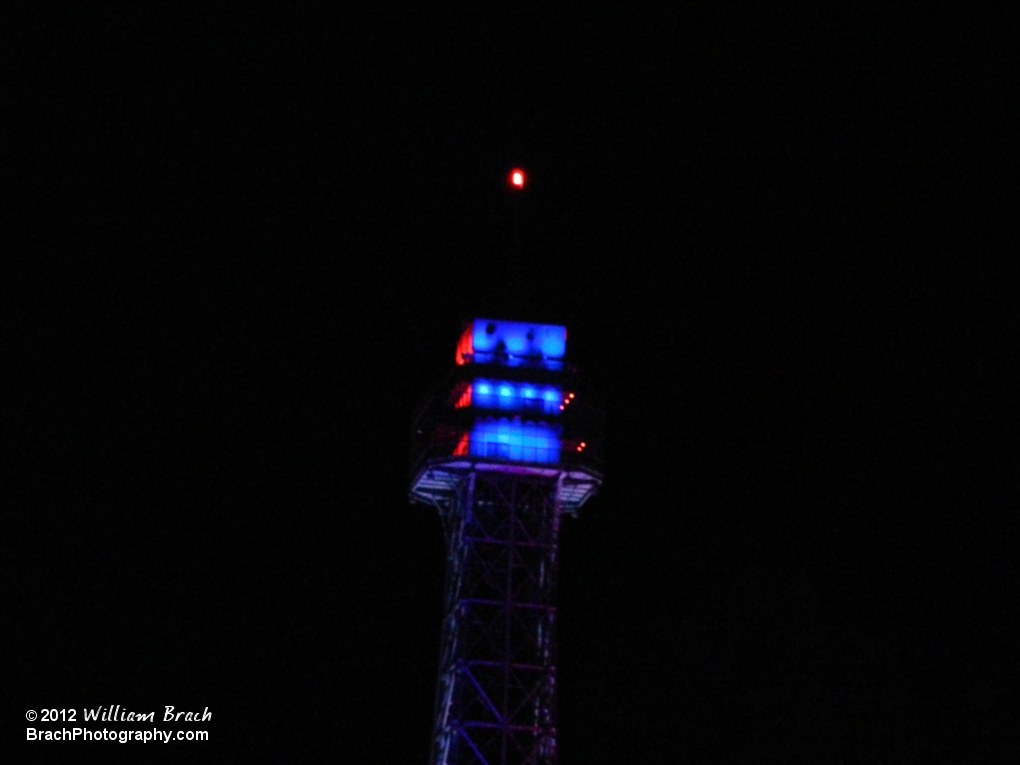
511,404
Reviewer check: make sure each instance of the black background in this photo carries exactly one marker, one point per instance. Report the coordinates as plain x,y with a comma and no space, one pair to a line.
246,241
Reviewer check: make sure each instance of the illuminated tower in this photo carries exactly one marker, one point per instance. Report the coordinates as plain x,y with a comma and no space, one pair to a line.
507,444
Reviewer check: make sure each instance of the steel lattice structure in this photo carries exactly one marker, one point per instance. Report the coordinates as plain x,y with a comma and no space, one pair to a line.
502,460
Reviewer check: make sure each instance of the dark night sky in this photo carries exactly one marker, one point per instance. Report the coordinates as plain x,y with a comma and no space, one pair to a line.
252,238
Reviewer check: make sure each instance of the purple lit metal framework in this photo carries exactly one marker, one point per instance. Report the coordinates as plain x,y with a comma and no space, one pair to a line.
508,444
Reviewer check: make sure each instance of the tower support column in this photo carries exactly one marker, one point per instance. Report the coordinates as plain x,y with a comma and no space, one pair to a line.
496,692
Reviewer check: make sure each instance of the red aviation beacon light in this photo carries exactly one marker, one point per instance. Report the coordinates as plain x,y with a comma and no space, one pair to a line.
516,179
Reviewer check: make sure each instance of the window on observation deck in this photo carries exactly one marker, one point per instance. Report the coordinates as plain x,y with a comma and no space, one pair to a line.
515,440
512,343
513,397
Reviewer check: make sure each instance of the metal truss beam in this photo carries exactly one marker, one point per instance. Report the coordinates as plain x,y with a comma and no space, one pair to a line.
496,696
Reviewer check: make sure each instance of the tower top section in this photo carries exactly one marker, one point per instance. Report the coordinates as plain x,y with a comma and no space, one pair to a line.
513,344
511,404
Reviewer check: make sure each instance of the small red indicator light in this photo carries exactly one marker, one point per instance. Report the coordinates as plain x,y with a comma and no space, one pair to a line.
517,178
571,395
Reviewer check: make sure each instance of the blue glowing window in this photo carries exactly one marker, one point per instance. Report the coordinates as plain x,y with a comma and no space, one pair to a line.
515,440
516,397
512,343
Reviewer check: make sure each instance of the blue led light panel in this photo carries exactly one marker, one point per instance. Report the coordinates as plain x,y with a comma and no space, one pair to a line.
517,338
515,440
516,397
513,343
